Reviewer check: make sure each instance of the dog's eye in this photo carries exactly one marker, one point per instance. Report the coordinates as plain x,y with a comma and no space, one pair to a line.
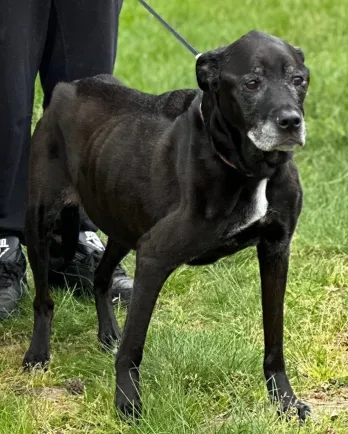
252,84
297,80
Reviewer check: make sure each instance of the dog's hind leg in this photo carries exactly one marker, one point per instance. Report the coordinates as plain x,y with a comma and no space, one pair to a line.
39,225
48,192
109,331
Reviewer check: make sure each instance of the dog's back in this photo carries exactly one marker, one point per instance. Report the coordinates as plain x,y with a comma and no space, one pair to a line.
99,125
85,105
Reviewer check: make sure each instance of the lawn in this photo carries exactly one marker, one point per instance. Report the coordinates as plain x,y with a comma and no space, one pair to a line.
202,369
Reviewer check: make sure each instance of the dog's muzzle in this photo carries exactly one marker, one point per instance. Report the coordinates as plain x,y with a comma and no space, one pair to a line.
285,130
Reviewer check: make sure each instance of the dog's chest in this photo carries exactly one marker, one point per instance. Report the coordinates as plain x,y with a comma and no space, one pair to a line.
251,208
254,210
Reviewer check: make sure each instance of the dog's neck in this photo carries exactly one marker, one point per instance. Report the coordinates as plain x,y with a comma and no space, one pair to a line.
222,157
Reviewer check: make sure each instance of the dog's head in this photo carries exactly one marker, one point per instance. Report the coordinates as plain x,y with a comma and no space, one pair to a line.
254,90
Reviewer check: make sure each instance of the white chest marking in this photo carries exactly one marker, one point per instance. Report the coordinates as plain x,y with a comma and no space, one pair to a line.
258,206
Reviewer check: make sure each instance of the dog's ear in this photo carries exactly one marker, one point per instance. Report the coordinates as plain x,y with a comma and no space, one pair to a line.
300,53
208,70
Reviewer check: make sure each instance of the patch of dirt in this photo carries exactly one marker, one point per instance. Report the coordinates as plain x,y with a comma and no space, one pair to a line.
57,397
75,386
328,400
342,340
51,393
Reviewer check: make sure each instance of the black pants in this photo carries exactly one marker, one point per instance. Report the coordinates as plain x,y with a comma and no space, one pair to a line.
62,40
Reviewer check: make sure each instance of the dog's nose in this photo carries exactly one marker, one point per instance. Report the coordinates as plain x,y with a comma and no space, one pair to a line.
289,119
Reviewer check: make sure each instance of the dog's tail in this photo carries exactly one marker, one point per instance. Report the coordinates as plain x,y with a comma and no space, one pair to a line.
70,227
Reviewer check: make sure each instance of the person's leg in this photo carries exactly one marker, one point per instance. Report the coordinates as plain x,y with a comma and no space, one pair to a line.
23,26
82,42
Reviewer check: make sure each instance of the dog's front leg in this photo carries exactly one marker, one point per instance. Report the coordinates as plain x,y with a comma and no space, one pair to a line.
274,263
149,278
167,245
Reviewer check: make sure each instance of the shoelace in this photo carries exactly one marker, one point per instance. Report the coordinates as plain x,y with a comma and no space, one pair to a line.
8,272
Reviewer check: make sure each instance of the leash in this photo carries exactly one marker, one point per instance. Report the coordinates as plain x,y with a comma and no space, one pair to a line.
170,28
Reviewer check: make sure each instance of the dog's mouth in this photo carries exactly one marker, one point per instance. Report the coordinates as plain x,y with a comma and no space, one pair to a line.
290,143
267,137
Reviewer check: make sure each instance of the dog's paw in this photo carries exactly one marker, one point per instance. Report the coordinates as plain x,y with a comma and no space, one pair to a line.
129,404
37,360
109,341
290,407
130,410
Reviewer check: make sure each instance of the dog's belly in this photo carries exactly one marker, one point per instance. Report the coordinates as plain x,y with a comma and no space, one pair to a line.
229,249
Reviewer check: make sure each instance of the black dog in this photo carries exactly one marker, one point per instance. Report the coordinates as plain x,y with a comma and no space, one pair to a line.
186,177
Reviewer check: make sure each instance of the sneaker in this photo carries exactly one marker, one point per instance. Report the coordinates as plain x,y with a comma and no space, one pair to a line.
122,286
12,275
79,273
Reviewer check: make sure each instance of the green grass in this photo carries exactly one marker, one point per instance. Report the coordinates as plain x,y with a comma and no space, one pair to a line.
202,369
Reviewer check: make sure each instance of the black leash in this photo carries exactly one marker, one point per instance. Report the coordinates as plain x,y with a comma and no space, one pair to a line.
170,28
